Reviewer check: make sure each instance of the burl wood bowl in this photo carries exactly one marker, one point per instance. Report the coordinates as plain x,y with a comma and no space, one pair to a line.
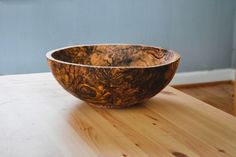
113,76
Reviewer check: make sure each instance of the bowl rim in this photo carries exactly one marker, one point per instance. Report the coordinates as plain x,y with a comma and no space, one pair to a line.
49,56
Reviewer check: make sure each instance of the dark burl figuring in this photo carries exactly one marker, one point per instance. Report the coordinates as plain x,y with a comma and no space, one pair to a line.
113,76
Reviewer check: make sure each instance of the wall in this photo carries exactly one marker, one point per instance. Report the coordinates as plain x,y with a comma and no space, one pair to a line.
201,30
234,43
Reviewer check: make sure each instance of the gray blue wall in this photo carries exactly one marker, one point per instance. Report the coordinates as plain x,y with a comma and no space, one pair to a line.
201,30
234,43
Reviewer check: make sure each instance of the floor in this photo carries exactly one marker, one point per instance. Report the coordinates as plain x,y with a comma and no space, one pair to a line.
219,94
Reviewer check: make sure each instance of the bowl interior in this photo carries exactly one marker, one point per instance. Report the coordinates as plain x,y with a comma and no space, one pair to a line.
115,55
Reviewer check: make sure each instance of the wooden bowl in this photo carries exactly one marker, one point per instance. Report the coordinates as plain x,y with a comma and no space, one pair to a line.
113,76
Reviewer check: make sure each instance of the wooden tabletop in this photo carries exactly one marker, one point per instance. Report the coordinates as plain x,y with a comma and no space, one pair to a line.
39,119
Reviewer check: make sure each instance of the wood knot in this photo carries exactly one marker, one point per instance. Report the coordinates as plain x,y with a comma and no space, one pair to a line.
178,154
221,150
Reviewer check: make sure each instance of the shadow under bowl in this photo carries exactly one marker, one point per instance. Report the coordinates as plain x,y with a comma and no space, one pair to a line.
113,75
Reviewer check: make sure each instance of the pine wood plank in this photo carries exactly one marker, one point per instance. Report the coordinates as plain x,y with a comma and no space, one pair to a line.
38,118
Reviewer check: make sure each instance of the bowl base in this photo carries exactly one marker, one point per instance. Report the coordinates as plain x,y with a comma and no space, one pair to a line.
112,106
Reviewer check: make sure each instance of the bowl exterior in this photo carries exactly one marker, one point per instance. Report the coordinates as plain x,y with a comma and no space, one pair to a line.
112,87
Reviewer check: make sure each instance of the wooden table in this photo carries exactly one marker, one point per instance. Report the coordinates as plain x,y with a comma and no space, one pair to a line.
39,119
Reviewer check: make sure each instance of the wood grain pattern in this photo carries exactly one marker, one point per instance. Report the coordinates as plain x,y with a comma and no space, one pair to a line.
115,55
113,76
38,118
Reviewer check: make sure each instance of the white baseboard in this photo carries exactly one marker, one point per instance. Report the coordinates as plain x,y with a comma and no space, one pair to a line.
203,76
